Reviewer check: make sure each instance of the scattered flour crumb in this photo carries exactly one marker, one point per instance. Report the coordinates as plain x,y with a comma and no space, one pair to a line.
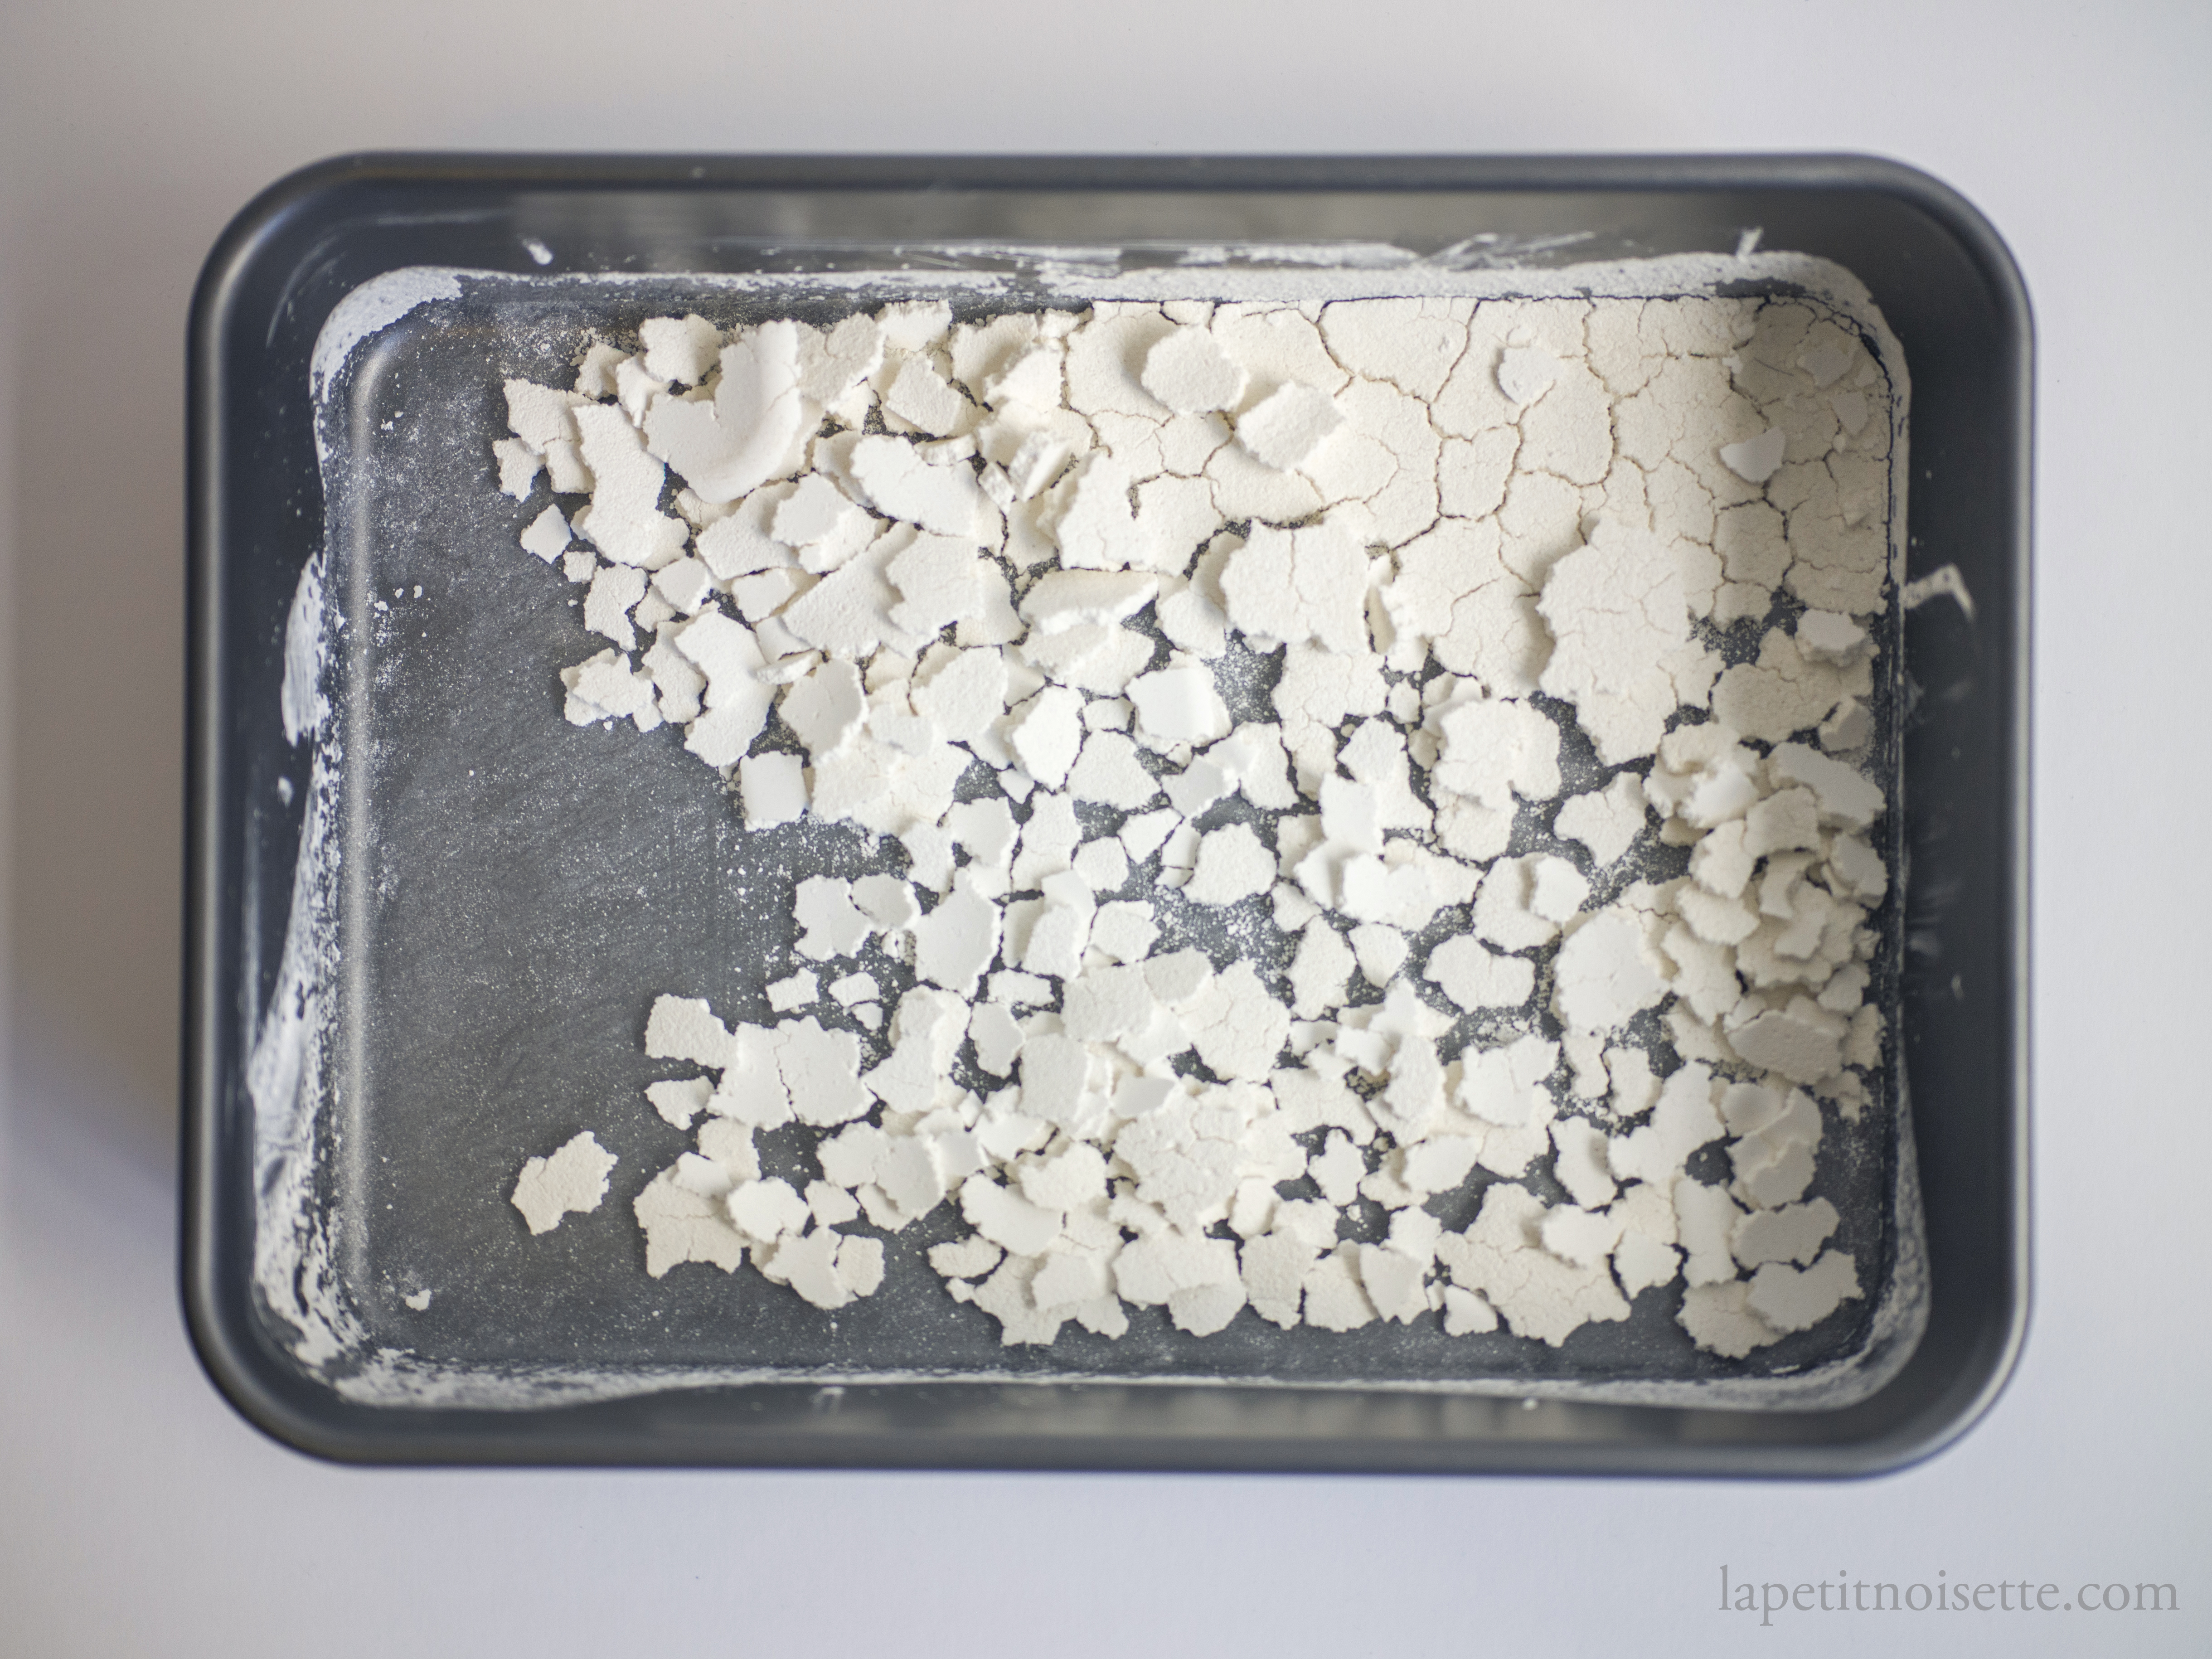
572,1181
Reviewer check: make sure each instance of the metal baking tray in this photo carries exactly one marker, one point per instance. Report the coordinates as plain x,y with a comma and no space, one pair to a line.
481,992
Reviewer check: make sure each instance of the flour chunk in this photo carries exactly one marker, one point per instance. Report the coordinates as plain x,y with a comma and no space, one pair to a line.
1189,372
570,1182
1287,430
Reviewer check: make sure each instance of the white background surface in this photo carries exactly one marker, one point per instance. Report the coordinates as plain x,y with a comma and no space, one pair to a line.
139,1516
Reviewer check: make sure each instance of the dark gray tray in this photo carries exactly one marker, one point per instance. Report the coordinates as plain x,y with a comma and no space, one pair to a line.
476,984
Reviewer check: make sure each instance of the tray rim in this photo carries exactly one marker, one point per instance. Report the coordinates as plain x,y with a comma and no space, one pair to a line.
1690,1441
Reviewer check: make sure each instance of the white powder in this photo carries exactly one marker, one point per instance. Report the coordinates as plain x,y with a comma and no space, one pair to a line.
1045,555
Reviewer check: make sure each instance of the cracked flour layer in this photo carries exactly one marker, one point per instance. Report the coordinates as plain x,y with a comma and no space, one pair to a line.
1193,661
